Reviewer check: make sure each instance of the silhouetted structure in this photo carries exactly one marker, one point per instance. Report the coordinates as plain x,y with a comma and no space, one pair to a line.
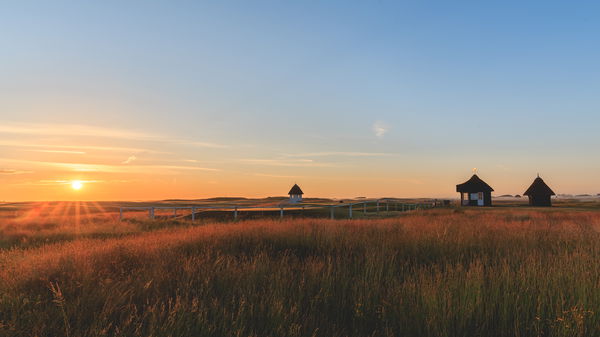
295,193
539,193
475,192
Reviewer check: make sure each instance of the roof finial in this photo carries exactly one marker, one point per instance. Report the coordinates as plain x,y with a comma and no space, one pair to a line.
474,170
538,174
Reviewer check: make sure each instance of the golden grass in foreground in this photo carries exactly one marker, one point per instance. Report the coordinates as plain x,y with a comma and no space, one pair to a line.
434,273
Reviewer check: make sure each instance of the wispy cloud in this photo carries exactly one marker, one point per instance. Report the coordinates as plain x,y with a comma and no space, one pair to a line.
275,176
380,129
13,171
74,148
129,160
340,154
58,151
129,169
200,144
286,162
175,167
86,167
68,182
58,182
98,132
72,130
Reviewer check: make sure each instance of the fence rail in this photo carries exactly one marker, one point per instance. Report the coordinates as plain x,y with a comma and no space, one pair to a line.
380,205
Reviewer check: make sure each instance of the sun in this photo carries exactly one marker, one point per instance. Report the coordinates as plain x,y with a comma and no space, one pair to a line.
76,184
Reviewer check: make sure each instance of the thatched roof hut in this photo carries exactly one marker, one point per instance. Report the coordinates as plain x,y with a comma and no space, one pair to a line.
295,193
295,190
539,193
475,192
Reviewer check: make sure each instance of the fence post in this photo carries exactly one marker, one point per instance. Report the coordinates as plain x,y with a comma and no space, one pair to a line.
175,212
193,213
235,213
331,212
151,213
350,211
365,208
281,212
387,206
377,208
120,213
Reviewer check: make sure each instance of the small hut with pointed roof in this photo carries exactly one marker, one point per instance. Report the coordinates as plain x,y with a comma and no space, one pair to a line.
475,192
295,194
539,193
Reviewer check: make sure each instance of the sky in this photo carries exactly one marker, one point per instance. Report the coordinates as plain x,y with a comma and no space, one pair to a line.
148,100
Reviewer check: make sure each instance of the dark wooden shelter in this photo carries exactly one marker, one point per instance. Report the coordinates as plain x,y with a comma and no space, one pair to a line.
539,193
475,192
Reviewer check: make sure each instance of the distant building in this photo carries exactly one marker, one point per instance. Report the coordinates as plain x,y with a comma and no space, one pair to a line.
539,193
475,192
295,194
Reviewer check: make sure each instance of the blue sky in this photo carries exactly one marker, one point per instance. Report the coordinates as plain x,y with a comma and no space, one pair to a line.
347,98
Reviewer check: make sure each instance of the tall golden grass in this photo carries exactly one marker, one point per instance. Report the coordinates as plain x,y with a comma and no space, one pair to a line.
502,272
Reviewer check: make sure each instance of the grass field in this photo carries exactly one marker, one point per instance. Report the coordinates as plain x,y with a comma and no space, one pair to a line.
443,272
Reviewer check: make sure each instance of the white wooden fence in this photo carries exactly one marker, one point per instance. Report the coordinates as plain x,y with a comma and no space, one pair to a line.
386,205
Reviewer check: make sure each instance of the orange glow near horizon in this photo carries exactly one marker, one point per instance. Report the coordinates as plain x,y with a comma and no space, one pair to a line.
112,164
